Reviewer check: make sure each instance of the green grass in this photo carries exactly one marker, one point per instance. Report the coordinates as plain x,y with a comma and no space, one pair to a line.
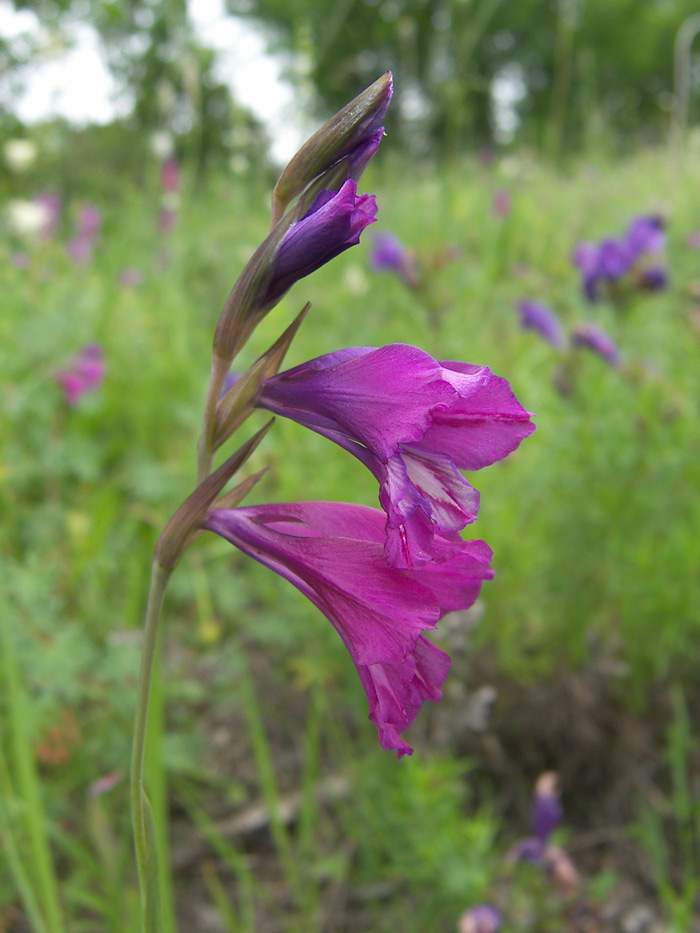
594,523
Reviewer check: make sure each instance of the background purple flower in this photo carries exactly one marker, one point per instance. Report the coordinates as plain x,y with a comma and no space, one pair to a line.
85,373
646,234
88,226
603,264
480,919
595,339
653,278
333,553
389,254
501,203
534,315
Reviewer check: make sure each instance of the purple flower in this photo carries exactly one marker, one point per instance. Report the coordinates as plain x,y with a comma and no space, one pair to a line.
547,812
537,316
595,339
85,372
414,423
646,234
481,919
389,254
332,552
653,278
614,259
605,263
333,224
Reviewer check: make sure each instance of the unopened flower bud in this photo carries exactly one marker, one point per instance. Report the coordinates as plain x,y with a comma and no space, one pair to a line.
354,132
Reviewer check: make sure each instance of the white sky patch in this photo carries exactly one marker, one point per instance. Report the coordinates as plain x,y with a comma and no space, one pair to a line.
73,81
508,89
254,76
69,80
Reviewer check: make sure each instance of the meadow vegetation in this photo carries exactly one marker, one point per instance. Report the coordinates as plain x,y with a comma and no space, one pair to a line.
285,815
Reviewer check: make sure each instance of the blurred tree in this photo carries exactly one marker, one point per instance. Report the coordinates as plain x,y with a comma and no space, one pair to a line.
153,51
467,70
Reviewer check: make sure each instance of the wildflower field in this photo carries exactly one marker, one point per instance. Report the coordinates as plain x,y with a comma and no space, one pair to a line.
275,807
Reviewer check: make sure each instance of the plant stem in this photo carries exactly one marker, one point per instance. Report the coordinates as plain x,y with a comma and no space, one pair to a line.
144,840
205,448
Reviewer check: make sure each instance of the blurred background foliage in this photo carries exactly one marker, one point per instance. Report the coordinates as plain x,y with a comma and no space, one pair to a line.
557,75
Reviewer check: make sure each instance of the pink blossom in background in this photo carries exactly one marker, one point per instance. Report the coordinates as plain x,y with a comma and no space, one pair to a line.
501,203
167,220
85,373
693,239
51,203
130,276
170,176
89,221
88,225
333,553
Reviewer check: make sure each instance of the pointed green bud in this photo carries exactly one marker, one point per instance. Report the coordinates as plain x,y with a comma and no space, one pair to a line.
353,133
183,527
236,495
239,401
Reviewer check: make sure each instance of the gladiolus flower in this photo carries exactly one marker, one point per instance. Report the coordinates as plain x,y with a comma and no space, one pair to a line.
414,423
333,553
85,373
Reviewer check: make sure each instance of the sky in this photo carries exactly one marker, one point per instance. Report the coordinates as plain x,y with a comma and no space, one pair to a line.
74,82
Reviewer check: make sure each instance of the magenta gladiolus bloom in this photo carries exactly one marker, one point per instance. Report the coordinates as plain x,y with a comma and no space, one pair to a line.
333,553
537,316
85,373
414,423
597,340
333,224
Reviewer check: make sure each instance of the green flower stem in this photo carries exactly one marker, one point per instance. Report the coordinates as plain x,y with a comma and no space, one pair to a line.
205,448
144,838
